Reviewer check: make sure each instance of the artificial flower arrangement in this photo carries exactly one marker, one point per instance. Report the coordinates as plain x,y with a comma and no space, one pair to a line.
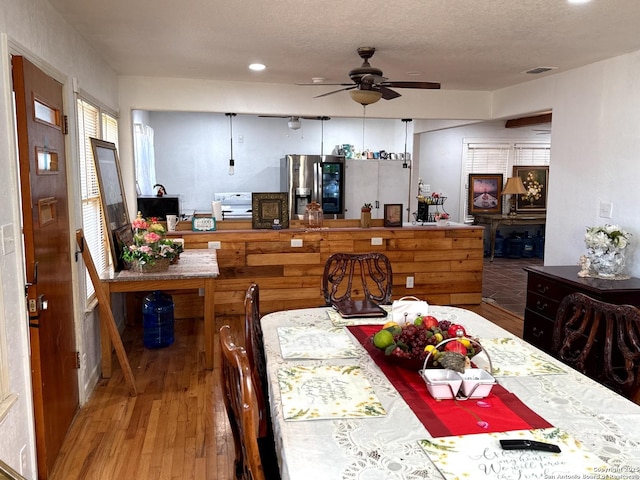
606,246
149,244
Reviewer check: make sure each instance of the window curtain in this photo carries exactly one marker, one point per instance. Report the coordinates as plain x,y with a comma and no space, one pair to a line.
144,159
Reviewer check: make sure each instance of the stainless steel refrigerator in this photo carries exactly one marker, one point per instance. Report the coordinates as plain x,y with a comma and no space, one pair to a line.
314,178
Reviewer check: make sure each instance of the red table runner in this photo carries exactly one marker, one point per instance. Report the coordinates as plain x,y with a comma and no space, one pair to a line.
500,411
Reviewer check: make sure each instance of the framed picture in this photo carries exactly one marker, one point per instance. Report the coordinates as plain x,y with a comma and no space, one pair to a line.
270,210
114,205
392,214
122,238
536,181
485,193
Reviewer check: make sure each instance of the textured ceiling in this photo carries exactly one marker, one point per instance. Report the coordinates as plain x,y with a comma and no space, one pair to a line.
463,44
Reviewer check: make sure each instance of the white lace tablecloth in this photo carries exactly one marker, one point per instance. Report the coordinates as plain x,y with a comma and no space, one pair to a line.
387,448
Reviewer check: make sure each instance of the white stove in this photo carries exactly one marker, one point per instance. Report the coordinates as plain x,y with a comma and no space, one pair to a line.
234,204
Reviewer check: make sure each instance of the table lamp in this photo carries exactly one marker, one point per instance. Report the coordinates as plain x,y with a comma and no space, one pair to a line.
513,187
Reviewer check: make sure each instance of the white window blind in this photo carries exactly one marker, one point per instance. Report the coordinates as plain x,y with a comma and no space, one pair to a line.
93,123
532,154
482,158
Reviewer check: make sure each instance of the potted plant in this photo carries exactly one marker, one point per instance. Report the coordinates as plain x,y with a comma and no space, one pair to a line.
365,215
151,250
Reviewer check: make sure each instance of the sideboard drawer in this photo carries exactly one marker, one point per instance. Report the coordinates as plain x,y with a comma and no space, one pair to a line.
547,288
538,330
545,306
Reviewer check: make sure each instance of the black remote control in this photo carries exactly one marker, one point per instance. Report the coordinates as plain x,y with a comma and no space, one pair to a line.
528,445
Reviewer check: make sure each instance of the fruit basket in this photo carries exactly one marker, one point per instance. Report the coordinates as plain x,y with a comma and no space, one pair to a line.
409,345
461,381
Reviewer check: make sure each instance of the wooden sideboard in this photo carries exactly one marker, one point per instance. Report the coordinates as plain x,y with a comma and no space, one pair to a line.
445,262
547,286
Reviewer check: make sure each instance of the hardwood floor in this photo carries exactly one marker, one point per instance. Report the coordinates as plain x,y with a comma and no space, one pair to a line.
176,428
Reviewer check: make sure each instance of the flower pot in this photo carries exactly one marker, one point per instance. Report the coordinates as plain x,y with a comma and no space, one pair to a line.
442,222
365,218
159,265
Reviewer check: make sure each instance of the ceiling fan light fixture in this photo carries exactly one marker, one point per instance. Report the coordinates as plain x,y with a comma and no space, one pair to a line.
294,123
365,97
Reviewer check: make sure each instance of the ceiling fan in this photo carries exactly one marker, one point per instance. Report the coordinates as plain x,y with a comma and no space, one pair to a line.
294,122
369,85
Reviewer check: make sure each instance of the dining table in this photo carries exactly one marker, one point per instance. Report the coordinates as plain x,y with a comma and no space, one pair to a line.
341,409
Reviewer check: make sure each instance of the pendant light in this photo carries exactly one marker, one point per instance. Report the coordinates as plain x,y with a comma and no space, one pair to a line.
232,162
322,120
406,164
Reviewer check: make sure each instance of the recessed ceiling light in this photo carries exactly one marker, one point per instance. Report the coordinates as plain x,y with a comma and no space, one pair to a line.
257,67
414,74
318,79
577,2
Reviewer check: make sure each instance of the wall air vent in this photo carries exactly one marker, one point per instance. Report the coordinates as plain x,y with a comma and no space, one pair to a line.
538,70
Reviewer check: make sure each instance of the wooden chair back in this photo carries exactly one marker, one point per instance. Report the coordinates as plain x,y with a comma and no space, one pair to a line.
242,407
253,344
601,340
352,276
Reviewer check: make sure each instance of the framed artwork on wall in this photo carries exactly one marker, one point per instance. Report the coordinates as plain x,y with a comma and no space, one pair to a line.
485,193
536,182
392,214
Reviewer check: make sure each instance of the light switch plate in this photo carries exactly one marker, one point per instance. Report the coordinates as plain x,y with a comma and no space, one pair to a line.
376,241
8,243
214,244
606,209
296,242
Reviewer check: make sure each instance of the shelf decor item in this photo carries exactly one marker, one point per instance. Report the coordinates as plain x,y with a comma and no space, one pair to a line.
150,251
365,216
607,246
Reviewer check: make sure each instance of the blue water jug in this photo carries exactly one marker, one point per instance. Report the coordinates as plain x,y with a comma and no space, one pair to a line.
157,320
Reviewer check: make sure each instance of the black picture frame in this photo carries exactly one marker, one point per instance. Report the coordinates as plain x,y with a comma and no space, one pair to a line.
114,204
268,207
121,238
392,214
535,179
485,193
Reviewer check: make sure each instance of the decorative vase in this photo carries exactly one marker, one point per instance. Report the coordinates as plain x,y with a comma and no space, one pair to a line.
159,265
607,264
365,218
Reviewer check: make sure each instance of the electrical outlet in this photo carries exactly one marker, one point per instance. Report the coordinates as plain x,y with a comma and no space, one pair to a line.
201,292
426,187
296,242
409,282
215,245
376,241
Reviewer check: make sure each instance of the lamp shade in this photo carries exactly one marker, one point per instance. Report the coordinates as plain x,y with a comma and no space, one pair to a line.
365,97
514,186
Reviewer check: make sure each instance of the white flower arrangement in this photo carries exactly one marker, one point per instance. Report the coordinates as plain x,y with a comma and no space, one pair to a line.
607,238
605,251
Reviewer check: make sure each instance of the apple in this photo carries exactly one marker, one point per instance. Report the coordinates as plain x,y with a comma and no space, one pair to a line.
456,346
429,322
454,329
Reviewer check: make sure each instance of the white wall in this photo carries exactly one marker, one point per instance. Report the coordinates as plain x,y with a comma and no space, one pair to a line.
192,151
594,150
33,29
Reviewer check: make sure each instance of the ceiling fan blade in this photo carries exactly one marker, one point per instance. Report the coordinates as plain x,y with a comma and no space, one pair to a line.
336,91
387,93
322,84
424,85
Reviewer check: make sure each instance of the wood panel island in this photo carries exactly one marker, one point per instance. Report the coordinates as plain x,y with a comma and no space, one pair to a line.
446,263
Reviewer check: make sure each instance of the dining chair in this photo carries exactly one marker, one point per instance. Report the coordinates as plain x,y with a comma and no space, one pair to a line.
601,340
253,344
374,272
242,407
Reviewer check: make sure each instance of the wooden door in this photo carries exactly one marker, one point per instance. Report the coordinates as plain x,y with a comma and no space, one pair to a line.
47,257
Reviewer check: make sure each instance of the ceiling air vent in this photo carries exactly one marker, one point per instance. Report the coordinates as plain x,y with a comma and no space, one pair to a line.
538,70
